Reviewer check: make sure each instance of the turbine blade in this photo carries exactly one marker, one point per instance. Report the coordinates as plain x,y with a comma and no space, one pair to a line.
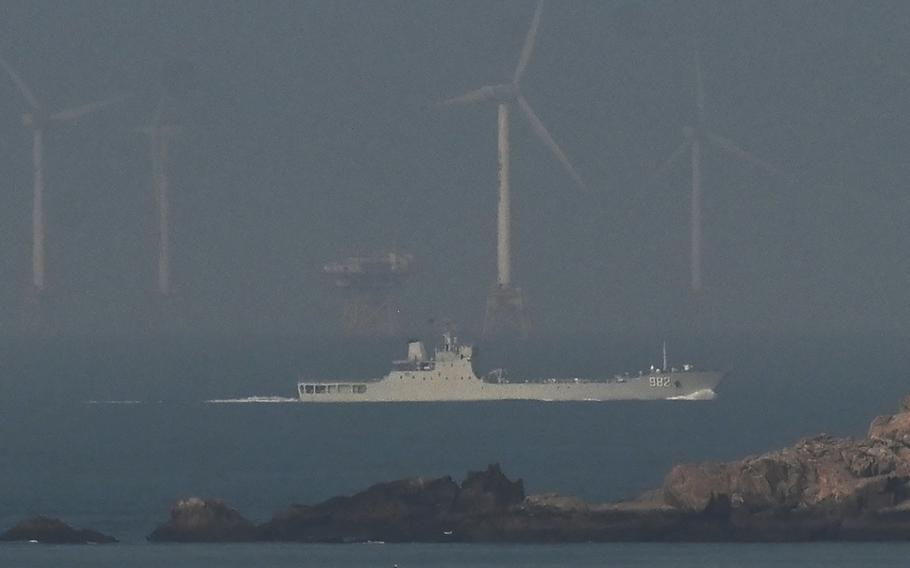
731,147
20,84
475,96
528,47
699,91
80,111
671,161
544,135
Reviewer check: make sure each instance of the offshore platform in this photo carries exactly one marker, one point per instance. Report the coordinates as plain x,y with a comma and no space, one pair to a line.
371,287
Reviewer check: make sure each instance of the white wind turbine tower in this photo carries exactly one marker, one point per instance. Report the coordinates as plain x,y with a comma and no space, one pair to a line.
696,137
38,119
505,305
160,133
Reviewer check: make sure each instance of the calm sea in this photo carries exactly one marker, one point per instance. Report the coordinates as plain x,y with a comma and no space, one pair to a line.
457,556
108,433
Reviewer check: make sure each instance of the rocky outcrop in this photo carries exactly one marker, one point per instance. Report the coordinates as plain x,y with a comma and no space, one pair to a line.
489,491
894,427
53,531
406,510
821,488
204,520
818,473
402,511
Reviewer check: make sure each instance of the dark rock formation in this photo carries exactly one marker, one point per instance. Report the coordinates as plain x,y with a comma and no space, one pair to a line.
402,511
406,510
488,492
204,520
53,531
821,488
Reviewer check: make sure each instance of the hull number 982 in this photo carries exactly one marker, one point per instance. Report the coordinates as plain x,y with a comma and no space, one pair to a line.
659,381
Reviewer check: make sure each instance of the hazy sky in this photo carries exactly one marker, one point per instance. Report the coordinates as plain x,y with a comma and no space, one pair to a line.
311,134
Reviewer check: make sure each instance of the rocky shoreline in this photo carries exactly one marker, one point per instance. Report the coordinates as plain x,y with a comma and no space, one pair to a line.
46,530
821,488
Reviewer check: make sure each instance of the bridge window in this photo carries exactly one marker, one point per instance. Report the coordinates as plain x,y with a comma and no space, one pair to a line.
309,389
320,389
360,389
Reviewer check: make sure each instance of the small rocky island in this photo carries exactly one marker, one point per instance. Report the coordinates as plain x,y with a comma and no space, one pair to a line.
821,488
53,531
204,520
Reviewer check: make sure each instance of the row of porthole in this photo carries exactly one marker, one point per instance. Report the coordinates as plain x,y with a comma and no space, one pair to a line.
408,376
332,389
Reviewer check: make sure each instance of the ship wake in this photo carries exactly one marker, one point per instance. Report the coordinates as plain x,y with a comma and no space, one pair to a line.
703,394
253,400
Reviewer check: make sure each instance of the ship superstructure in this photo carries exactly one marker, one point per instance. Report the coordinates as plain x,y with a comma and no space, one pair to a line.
448,375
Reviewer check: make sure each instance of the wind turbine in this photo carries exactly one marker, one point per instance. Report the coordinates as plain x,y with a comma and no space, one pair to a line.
160,133
38,119
505,305
695,138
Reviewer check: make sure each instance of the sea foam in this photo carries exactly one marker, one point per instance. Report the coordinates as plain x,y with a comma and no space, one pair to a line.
253,400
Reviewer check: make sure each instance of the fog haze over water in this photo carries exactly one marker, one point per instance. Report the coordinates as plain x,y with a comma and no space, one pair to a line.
310,131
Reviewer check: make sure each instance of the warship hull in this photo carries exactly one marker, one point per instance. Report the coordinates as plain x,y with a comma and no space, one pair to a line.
691,386
449,376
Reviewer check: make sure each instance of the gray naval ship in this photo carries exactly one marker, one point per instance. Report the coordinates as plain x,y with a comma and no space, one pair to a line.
449,376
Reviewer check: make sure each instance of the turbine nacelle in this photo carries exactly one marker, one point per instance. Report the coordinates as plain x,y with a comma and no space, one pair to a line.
507,93
502,93
159,129
35,119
